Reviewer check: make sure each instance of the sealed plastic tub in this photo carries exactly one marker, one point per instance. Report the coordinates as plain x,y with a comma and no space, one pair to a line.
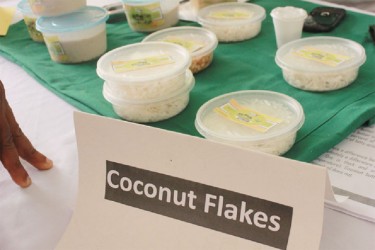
258,120
55,7
30,19
144,71
151,15
200,42
320,63
75,37
151,110
232,22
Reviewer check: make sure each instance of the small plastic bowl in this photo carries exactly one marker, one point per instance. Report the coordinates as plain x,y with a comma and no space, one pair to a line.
232,22
320,63
200,42
144,71
75,37
151,15
55,7
151,110
30,18
284,117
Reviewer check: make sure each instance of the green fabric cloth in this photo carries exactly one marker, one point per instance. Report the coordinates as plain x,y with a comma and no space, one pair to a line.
330,116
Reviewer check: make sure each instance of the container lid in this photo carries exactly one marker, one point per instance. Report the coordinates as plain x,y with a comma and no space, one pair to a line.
288,13
249,115
111,97
24,7
142,62
320,54
198,41
84,18
231,14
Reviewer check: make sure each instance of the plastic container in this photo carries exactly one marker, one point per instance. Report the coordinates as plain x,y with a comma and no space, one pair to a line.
320,63
232,22
151,110
151,15
144,71
55,7
200,42
75,37
258,120
30,19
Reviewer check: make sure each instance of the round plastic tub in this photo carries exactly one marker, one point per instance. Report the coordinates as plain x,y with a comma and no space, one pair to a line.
144,71
252,119
320,63
151,15
200,42
75,37
30,18
55,7
232,22
151,110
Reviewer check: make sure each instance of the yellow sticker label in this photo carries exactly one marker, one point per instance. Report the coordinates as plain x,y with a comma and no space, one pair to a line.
322,56
230,14
233,111
55,49
190,45
6,17
145,16
141,63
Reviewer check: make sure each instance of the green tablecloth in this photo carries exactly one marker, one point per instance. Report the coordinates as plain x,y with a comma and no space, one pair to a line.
330,116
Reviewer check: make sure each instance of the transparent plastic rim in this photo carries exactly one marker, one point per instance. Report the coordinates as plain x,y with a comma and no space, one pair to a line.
288,46
293,127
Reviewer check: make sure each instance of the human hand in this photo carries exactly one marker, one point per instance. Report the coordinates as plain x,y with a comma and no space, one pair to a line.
14,144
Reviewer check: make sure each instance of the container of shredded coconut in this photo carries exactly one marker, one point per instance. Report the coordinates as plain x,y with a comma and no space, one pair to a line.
76,37
200,42
30,18
151,110
232,22
55,7
151,15
320,63
258,120
144,71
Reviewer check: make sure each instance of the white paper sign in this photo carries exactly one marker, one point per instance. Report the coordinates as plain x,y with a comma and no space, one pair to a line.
146,188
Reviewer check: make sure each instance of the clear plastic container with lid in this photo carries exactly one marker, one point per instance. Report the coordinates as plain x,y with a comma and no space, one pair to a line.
144,71
153,109
258,120
151,15
75,37
200,42
232,22
30,19
320,63
55,7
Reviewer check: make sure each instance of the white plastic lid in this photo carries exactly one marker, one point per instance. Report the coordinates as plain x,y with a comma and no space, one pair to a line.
285,109
204,40
231,14
180,61
111,97
24,7
81,19
288,13
331,54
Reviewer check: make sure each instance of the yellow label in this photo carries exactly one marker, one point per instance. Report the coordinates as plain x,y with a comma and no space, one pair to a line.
55,49
142,63
145,16
190,45
230,14
233,111
322,56
6,17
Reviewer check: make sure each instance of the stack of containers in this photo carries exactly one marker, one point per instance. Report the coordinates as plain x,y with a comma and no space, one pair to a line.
147,82
72,31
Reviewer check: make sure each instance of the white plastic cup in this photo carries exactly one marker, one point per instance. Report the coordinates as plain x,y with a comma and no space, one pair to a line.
288,23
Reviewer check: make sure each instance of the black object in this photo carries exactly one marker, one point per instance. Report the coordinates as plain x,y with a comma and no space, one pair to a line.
372,32
323,19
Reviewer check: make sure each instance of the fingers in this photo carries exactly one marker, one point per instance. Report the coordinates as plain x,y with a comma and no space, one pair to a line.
8,152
